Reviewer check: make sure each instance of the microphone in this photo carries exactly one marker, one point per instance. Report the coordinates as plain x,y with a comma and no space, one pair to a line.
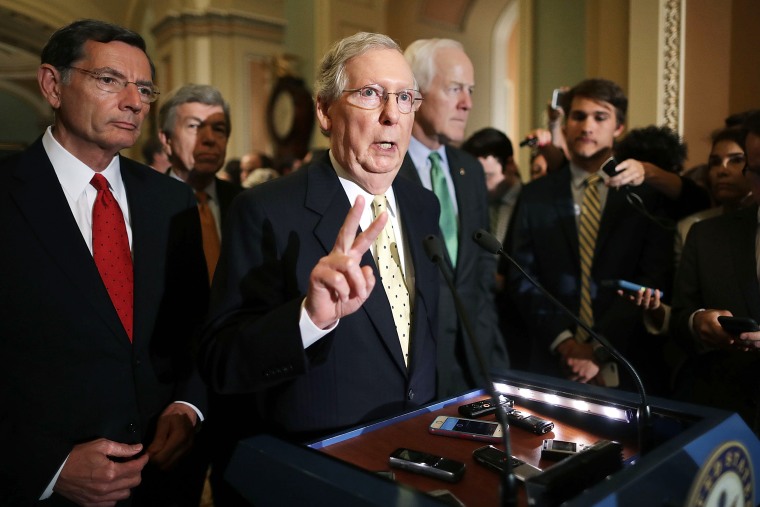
488,242
434,251
529,141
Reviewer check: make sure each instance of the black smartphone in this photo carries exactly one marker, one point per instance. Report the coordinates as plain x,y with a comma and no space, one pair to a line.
560,449
626,286
532,423
495,459
738,325
471,429
609,167
424,463
484,407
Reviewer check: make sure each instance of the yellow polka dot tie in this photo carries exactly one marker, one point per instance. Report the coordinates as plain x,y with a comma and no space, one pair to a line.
392,277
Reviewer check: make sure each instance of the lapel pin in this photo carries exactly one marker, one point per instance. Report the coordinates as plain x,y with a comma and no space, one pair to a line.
461,171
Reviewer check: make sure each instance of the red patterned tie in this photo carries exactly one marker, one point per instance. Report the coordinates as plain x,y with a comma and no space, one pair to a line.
110,248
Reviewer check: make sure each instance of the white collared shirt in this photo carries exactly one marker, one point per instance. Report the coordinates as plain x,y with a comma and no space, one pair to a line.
75,176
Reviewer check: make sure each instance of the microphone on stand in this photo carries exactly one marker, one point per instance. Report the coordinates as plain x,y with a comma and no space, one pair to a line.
434,251
488,242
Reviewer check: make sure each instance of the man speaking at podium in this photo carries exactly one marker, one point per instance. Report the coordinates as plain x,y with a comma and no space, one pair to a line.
303,314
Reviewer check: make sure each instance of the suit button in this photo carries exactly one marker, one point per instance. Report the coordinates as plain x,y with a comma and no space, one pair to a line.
410,395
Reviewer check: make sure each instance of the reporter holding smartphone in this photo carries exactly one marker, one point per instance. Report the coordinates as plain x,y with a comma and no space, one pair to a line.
718,277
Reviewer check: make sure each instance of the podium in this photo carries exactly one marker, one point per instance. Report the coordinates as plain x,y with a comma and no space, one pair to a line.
697,453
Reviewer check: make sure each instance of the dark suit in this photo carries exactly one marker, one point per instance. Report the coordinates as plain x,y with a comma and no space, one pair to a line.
458,369
276,234
226,191
70,374
543,239
718,271
223,426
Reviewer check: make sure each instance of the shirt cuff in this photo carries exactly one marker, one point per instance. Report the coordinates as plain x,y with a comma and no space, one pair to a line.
310,333
564,335
49,490
200,414
691,322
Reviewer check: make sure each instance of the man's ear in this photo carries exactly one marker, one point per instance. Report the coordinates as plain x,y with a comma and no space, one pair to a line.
166,142
50,83
619,130
323,116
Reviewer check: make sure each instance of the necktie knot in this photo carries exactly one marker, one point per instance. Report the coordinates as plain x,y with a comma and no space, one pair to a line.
99,182
592,180
435,160
201,196
379,204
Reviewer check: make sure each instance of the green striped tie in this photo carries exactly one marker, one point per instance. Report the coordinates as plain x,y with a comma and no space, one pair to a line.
591,212
448,220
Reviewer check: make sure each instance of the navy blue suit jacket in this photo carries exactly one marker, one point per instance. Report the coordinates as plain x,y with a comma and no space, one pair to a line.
275,235
543,239
70,374
458,369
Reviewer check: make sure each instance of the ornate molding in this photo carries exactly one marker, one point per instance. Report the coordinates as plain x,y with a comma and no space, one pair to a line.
672,64
219,24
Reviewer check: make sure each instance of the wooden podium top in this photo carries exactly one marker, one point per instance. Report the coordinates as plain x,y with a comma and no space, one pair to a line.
370,447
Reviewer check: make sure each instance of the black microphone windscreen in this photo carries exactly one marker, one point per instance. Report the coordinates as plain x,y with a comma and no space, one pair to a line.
433,248
487,241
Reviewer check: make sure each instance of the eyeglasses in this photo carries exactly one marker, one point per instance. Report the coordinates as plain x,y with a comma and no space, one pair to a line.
735,161
112,84
374,96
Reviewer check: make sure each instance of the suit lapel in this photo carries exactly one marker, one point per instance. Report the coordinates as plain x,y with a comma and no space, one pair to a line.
565,209
409,171
41,199
146,250
613,212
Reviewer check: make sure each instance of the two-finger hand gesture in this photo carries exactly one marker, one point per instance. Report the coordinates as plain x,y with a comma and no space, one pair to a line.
338,284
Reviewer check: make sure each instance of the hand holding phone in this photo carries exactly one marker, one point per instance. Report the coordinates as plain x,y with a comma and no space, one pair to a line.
609,167
471,429
627,287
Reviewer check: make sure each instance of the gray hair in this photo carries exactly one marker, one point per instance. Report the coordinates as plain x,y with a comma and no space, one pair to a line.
421,57
332,78
204,94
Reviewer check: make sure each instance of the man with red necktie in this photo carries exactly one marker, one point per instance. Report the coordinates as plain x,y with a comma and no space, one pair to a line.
103,284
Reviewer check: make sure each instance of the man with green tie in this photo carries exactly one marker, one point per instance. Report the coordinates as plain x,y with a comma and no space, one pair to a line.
446,79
